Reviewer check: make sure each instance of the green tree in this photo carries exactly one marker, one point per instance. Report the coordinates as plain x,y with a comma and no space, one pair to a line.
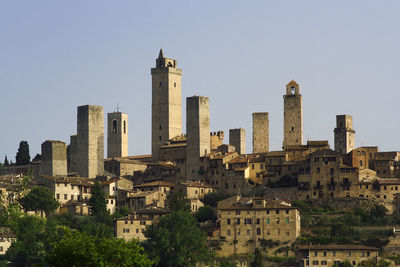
178,202
23,157
29,248
205,213
98,201
6,163
177,241
79,249
40,198
213,198
37,157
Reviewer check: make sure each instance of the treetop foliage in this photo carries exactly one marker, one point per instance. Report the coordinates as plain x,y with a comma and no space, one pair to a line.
23,157
40,198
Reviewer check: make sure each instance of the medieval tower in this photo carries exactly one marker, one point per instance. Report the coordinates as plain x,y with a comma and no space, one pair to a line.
260,132
166,108
293,116
117,135
237,138
90,141
54,158
198,134
344,134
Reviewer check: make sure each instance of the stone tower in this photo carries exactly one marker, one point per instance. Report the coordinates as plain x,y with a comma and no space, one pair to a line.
344,134
90,154
166,106
54,158
198,134
260,132
293,116
117,135
72,154
237,138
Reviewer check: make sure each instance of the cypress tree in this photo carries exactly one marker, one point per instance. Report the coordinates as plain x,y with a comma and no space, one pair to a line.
23,157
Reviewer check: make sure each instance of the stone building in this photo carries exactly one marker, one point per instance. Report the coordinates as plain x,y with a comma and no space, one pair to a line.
260,132
54,158
134,225
247,223
344,134
166,112
117,135
90,156
216,139
72,154
237,138
198,134
293,115
329,255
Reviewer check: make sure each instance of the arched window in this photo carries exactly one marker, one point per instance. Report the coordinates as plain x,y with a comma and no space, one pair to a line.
293,90
124,127
361,163
114,126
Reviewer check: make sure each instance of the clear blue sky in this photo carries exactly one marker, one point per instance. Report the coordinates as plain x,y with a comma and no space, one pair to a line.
57,55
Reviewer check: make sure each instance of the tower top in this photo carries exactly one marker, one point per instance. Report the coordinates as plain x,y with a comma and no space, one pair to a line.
161,54
292,88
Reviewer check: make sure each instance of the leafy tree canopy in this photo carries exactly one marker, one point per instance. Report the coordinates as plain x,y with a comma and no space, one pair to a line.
40,198
77,249
37,157
177,241
205,213
6,163
213,198
23,157
178,202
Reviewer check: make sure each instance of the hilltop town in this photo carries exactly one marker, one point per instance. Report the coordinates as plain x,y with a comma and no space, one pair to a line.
294,205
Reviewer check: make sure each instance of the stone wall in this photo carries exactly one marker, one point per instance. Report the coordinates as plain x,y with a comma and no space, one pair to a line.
237,138
117,135
260,132
344,134
54,158
293,116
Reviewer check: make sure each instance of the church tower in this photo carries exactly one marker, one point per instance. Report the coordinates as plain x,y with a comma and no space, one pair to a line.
293,116
117,135
344,134
166,108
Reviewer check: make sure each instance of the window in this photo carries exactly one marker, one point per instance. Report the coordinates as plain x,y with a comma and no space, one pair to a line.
277,211
238,212
287,220
228,221
124,127
334,253
114,126
287,211
332,171
348,253
267,211
160,138
142,222
65,184
125,230
229,232
238,221
258,231
65,196
72,197
160,84
137,231
268,221
318,170
258,221
277,221
368,253
315,254
126,221
252,166
361,163
58,196
315,262
324,253
324,263
248,231
268,232
174,84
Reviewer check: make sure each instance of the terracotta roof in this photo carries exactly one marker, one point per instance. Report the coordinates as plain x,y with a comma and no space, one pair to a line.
72,180
336,247
156,183
325,153
318,143
196,184
389,181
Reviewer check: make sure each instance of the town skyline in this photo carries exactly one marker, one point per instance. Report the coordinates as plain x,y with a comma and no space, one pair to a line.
50,78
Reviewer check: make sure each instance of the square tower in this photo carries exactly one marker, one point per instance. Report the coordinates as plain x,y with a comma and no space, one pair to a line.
293,116
117,135
54,158
237,138
90,153
198,134
260,132
72,153
344,134
166,106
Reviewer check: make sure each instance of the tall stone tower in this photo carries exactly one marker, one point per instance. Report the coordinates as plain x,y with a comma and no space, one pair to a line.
90,154
237,138
72,154
260,132
54,158
198,134
344,134
166,106
117,135
293,115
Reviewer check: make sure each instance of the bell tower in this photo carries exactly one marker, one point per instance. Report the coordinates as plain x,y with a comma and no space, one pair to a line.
293,115
166,108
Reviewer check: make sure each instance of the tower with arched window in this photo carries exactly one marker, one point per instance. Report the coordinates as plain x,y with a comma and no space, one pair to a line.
117,135
293,116
166,105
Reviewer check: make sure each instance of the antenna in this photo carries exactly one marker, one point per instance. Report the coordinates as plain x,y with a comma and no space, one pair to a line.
117,107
